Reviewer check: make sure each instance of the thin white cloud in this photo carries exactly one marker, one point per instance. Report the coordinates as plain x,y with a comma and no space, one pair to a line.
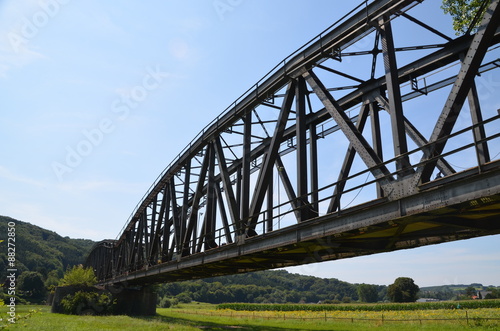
75,187
8,175
20,24
11,59
99,186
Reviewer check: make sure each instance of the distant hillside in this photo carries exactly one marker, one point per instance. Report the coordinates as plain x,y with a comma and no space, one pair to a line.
40,250
270,286
459,291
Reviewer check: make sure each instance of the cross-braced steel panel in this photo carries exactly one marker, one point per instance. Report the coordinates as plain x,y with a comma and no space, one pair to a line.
363,116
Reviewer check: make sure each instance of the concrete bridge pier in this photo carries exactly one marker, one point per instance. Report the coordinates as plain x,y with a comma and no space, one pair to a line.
133,301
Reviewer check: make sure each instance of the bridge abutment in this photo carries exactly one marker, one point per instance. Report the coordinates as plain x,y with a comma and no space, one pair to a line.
134,301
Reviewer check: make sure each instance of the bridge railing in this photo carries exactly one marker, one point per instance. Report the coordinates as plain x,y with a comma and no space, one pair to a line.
465,154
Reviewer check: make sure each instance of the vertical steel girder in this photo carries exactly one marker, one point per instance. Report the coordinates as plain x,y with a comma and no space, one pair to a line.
269,159
463,83
301,134
376,136
207,236
227,188
313,159
359,143
482,150
396,105
245,173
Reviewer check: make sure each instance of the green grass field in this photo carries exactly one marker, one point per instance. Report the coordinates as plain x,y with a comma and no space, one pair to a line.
207,317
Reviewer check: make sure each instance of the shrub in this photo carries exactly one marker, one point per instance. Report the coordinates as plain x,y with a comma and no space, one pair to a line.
87,303
79,276
165,303
184,297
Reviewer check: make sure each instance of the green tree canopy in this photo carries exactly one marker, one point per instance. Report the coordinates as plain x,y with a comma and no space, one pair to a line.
404,289
463,13
32,285
368,293
79,276
470,291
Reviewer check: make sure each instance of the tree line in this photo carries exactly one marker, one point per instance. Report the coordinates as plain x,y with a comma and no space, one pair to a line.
43,256
270,286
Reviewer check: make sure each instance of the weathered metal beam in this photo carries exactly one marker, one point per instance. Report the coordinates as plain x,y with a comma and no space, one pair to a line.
165,242
479,134
333,236
224,219
176,218
347,164
195,204
245,173
155,242
313,161
185,198
426,26
400,145
301,135
472,61
445,168
376,137
359,143
226,184
208,234
270,203
270,158
287,184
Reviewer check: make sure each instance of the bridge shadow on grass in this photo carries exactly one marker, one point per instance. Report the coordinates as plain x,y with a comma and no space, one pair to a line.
212,326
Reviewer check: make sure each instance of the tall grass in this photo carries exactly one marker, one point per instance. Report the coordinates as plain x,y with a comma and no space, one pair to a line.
471,304
188,317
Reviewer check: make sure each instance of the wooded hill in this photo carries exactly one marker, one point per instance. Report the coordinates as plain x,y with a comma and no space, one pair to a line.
270,286
40,250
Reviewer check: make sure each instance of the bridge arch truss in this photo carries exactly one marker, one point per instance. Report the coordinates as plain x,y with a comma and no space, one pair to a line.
349,146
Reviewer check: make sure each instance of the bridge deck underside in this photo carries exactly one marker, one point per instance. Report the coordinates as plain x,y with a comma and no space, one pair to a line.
464,208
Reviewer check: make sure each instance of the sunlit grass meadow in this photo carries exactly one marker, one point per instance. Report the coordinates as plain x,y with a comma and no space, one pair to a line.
208,317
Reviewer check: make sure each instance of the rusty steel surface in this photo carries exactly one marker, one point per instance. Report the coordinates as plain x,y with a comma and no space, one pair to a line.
345,148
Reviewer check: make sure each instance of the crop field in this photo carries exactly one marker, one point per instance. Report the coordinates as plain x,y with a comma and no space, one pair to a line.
439,305
209,317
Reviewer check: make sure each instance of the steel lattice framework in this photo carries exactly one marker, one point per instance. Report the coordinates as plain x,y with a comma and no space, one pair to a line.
295,170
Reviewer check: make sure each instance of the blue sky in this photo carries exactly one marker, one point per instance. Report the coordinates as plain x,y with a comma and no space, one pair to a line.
98,98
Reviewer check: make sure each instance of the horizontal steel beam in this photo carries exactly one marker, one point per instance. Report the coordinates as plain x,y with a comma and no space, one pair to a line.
365,231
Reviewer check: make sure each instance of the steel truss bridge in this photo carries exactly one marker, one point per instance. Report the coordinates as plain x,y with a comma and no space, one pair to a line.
367,139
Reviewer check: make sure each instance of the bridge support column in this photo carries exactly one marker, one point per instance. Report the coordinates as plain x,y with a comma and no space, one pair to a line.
140,301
